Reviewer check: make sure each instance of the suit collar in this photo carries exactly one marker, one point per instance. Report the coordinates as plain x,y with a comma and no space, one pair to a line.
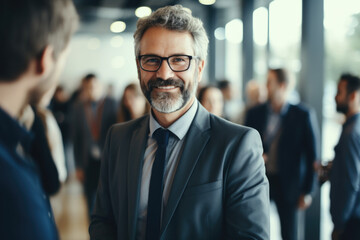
283,111
195,142
135,163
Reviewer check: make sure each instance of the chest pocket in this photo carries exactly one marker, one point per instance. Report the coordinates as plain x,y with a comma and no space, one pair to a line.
203,188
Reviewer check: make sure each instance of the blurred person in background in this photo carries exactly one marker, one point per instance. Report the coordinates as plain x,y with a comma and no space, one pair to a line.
255,95
232,101
132,104
290,140
60,107
92,115
345,169
212,99
53,133
33,48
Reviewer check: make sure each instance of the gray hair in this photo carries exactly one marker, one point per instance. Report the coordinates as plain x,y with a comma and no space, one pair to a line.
174,18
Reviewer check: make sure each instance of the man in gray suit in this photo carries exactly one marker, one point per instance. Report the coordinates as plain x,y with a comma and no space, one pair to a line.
213,184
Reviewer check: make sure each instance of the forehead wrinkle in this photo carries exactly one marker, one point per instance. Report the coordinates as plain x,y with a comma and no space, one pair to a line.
159,41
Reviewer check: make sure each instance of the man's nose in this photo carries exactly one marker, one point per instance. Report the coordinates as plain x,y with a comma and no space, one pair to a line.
164,71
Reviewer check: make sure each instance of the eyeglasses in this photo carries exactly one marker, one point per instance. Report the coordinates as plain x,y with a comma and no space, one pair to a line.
177,63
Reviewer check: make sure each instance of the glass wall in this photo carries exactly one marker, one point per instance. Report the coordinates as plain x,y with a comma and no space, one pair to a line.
285,34
277,39
260,28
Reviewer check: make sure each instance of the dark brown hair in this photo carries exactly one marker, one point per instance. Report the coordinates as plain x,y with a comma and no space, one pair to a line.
281,75
27,27
124,113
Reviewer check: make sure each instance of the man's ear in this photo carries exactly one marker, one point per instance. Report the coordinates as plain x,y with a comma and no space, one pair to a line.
201,66
45,61
354,96
138,68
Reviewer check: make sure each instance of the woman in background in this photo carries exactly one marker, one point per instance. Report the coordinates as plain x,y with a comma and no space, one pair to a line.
133,104
212,99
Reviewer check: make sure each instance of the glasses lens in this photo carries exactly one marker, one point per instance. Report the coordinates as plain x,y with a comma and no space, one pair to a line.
150,63
179,63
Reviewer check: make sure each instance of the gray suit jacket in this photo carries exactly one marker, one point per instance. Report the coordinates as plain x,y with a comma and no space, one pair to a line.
219,190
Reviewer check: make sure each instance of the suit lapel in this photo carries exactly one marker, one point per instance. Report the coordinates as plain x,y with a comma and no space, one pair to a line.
264,113
135,163
196,140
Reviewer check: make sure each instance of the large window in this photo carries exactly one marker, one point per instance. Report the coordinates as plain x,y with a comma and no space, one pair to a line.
277,39
285,34
260,27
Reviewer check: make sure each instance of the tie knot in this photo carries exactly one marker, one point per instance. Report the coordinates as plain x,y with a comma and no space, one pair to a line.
161,136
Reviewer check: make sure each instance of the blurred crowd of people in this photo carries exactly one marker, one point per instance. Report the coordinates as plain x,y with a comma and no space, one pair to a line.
288,132
47,135
84,119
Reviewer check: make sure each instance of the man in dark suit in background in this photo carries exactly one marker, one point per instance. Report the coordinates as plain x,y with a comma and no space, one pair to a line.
92,116
289,134
33,48
345,170
208,177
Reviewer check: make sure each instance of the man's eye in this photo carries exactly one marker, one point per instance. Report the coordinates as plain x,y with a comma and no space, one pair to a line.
151,60
178,60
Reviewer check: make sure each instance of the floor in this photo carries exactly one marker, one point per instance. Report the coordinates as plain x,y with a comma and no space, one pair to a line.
70,211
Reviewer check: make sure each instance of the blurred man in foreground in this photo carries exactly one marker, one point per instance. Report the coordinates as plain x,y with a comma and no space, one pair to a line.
33,47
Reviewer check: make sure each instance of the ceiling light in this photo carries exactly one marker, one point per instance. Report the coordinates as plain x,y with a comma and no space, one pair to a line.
118,27
207,2
234,31
219,33
142,12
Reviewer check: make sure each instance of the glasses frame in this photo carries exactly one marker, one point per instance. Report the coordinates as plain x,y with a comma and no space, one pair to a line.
167,60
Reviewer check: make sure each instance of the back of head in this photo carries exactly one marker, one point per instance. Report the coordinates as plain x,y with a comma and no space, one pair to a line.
27,27
281,75
174,18
225,87
255,93
223,84
353,82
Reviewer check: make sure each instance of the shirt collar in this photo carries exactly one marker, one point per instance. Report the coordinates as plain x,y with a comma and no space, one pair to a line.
12,133
180,127
351,120
283,111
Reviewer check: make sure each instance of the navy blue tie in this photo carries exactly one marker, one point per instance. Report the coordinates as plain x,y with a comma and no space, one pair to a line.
156,186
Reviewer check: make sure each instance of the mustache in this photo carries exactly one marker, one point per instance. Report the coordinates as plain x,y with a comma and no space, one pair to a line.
159,82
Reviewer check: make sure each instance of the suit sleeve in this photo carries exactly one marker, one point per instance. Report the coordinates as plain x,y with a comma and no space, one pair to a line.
345,178
311,151
247,191
77,134
102,226
248,121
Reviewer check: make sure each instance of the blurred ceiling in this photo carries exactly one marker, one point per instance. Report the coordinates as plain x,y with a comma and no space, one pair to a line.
97,15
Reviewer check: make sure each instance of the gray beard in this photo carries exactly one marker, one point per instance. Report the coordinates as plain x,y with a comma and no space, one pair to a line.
168,102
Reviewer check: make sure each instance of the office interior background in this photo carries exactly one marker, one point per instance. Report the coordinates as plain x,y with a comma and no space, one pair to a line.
315,40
